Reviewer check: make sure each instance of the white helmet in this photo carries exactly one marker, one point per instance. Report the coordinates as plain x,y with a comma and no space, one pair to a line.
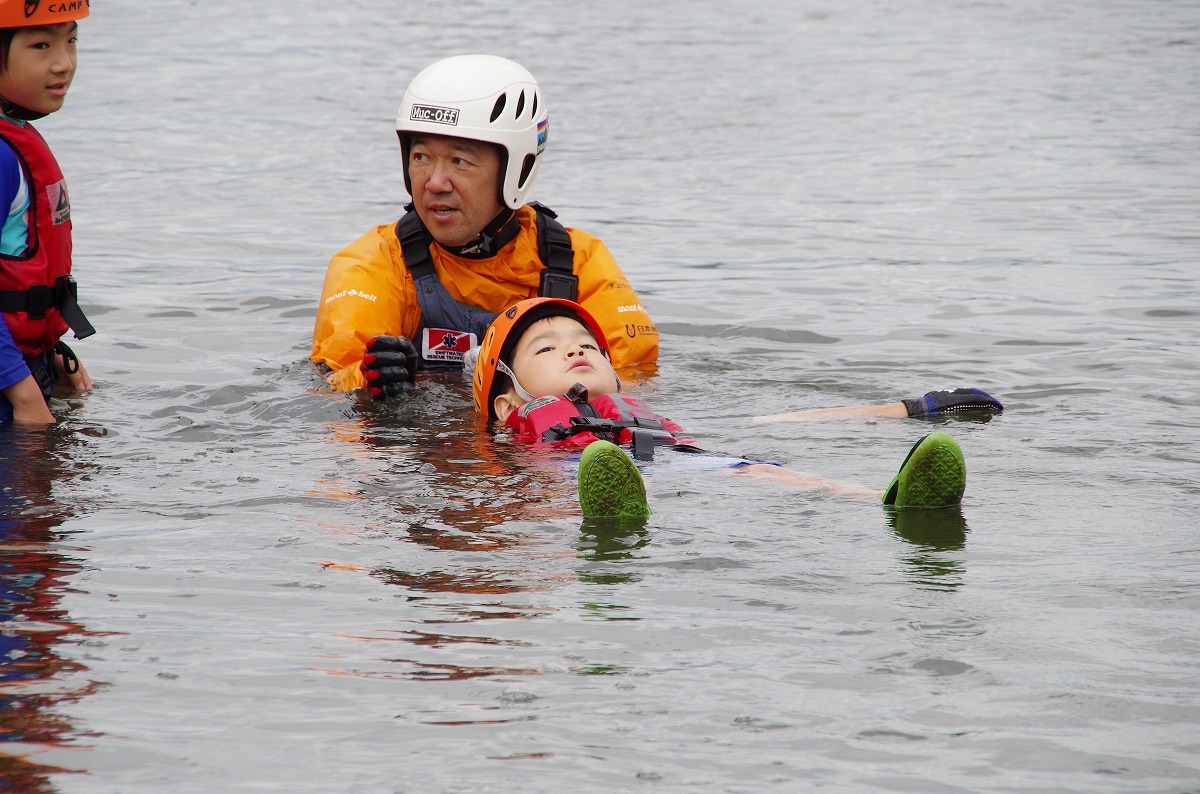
482,98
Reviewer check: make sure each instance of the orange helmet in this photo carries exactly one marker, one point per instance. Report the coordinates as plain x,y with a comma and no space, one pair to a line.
27,13
502,336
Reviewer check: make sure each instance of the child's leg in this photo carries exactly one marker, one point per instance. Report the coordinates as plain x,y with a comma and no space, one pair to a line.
610,485
933,475
807,482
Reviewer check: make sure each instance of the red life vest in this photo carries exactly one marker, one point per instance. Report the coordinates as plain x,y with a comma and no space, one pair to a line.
620,418
35,287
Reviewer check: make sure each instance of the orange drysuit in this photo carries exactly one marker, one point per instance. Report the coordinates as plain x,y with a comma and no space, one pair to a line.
369,292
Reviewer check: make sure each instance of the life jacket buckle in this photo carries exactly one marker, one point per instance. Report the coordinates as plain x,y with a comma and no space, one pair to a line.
643,443
37,300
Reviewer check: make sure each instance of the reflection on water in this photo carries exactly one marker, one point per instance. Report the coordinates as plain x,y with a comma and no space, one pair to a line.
35,677
478,581
939,536
484,532
605,543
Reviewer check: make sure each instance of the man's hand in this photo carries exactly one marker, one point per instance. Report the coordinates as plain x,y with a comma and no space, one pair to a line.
389,366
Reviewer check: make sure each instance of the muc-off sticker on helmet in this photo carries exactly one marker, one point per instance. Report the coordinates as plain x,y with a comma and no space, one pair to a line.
434,114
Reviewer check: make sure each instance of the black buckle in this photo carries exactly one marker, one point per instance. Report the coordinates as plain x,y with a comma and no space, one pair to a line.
37,300
558,285
643,444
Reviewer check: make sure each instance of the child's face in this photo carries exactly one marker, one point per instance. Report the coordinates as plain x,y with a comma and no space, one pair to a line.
552,356
41,64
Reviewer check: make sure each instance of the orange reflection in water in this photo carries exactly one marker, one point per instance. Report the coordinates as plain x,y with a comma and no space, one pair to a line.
417,670
485,531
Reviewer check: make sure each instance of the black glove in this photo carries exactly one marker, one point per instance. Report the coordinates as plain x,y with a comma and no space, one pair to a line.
389,366
958,401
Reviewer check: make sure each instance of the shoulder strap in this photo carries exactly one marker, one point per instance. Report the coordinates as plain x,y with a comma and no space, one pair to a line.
414,243
557,255
37,300
554,249
439,309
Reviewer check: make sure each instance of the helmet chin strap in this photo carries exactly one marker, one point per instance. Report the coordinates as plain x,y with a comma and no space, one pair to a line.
14,111
517,387
577,393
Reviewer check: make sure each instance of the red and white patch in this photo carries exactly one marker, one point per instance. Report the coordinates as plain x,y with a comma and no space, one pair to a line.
441,344
60,205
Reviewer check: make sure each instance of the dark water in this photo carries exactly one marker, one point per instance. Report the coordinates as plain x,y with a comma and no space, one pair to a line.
218,578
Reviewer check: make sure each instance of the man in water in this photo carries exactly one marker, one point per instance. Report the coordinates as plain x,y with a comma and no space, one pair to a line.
419,293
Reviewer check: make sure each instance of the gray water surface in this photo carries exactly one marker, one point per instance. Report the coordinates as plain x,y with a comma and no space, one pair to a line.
218,577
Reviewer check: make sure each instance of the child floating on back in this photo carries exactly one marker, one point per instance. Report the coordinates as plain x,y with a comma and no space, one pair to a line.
543,372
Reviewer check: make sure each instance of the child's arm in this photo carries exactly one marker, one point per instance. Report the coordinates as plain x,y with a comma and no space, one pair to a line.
29,407
19,386
934,403
887,411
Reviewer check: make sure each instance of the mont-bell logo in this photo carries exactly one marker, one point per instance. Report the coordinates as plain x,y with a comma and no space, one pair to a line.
434,114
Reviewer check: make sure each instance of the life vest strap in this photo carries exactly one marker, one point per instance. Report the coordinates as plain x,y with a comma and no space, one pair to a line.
39,299
554,249
558,279
643,443
584,424
414,243
73,314
40,367
643,438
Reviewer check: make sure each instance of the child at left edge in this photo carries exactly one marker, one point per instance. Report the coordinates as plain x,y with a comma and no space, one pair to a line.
37,293
543,372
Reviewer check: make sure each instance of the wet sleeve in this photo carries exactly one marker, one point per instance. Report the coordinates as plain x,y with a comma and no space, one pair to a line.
12,363
608,296
366,293
14,201
10,177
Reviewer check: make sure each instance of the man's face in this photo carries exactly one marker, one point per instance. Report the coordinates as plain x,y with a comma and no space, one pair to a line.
455,186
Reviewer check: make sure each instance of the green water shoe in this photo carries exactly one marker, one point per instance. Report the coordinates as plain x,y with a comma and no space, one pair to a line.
610,485
933,475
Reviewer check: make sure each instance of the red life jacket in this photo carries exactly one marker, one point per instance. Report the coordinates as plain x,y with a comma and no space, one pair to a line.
620,418
37,293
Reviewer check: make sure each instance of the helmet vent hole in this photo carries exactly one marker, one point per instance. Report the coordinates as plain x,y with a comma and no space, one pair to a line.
526,168
520,105
498,108
533,110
